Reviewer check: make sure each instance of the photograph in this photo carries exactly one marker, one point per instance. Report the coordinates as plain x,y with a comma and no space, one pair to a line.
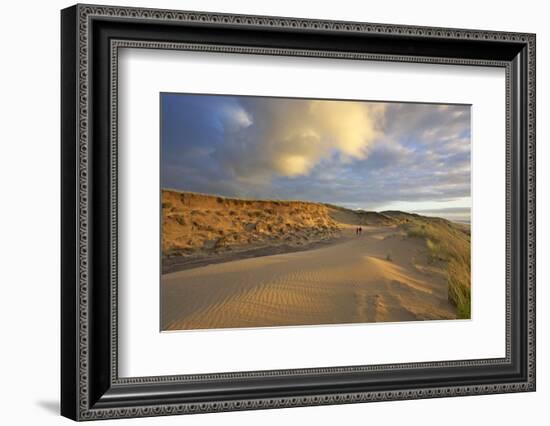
279,211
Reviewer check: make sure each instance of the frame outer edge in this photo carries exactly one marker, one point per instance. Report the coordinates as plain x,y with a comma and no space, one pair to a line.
69,221
82,141
531,200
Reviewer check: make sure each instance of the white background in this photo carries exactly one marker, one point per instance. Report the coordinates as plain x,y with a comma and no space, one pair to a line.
146,352
29,225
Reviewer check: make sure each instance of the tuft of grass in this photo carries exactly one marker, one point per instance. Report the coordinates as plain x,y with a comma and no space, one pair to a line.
389,258
459,288
448,243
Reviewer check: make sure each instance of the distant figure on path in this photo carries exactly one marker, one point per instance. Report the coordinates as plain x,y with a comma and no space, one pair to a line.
360,230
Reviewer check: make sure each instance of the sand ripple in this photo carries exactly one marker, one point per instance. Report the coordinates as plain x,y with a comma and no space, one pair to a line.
349,282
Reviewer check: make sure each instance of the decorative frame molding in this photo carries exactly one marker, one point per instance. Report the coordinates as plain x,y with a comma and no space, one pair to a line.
91,388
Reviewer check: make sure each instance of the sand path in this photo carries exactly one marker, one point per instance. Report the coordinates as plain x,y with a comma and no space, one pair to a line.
353,281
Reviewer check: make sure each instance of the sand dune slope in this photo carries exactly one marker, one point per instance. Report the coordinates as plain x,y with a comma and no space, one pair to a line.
379,276
199,225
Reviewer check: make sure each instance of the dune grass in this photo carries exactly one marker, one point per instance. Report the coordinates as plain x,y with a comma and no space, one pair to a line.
451,244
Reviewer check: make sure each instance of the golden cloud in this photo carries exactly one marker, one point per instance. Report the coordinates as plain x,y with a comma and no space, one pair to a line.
301,133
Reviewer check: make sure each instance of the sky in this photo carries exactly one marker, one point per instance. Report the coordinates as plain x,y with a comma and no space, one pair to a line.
358,154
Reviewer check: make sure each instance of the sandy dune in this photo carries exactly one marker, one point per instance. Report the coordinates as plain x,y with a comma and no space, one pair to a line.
197,225
200,229
379,276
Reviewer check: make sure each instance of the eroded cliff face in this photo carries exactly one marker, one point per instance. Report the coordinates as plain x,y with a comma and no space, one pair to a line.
194,223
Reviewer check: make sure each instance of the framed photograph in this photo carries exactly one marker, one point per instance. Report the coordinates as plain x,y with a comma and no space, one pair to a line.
263,212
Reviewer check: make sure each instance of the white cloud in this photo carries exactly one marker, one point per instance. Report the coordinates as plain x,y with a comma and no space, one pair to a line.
242,118
236,118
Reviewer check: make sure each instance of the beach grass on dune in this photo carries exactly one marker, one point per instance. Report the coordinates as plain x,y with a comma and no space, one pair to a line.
451,244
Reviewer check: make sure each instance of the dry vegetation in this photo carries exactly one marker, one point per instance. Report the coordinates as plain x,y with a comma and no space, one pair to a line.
450,243
195,224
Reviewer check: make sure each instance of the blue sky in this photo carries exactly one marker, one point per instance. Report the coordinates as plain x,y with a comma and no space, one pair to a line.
369,155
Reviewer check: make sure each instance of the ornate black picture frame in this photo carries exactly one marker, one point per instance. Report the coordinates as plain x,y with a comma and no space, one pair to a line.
91,387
